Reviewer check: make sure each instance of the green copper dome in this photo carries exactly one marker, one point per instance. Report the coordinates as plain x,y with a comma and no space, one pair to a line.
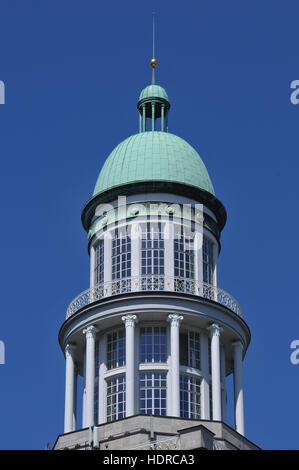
153,156
153,91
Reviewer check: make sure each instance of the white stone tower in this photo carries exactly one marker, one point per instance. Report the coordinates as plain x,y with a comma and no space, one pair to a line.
154,336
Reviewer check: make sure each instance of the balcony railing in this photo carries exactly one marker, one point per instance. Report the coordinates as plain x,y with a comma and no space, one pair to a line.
153,283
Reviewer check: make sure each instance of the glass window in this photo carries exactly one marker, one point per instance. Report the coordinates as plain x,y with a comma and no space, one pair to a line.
184,349
121,255
189,396
183,256
153,393
153,344
121,262
208,262
152,257
116,349
99,262
116,398
194,349
190,349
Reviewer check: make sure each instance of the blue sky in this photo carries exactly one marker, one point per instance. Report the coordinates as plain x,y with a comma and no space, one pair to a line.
73,72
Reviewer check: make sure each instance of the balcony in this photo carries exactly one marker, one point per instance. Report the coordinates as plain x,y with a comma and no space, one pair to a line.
155,283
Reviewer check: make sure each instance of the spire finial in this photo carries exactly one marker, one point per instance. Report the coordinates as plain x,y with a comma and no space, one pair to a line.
154,61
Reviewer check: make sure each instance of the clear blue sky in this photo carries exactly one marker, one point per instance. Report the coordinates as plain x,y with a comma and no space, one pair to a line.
73,72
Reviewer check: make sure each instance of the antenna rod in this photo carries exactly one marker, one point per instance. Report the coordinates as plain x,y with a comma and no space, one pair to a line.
154,61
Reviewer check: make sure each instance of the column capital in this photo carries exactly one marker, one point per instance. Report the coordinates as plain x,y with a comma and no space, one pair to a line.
129,320
237,344
90,332
175,319
69,349
215,329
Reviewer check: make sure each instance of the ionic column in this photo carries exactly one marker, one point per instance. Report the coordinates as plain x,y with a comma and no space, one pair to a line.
175,321
69,388
205,386
129,321
90,333
215,331
102,370
238,387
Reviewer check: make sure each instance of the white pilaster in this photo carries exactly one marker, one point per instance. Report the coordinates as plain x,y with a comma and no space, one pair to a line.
175,321
129,321
238,387
135,255
90,333
107,263
204,365
215,331
198,244
215,261
69,388
92,257
169,254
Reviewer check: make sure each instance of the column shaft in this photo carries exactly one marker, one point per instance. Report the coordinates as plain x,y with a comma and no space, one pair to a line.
216,375
175,321
129,321
69,389
90,333
238,387
204,387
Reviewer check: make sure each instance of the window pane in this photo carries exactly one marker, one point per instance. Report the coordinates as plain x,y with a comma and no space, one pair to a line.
189,397
208,262
153,344
99,262
154,388
116,349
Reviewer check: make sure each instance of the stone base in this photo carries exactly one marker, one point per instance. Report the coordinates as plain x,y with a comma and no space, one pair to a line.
144,432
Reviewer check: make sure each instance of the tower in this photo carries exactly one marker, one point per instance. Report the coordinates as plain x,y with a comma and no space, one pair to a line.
153,336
